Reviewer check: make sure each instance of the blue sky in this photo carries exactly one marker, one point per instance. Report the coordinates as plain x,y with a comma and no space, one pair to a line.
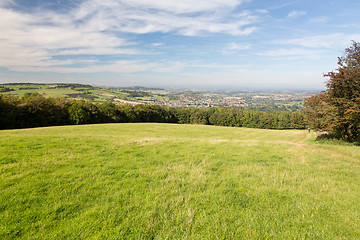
181,43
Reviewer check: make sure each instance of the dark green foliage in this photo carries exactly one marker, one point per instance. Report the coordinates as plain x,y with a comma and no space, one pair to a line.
31,111
84,95
233,117
73,85
134,93
7,111
110,113
36,111
6,89
79,114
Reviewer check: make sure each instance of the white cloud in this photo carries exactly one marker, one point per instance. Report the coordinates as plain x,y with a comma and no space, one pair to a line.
296,14
319,20
158,44
27,44
336,40
118,67
263,11
33,41
184,6
183,17
98,51
235,47
123,66
293,53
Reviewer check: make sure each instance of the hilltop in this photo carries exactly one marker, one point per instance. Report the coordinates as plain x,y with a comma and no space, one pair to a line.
168,181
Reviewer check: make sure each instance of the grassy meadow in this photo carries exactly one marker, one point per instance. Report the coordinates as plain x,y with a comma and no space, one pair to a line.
163,181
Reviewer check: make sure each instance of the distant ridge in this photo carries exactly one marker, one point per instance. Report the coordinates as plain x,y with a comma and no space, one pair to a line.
139,88
63,85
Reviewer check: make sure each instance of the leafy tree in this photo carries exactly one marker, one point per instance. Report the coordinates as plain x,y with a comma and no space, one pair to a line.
319,112
182,115
79,114
35,111
297,120
109,111
8,111
338,108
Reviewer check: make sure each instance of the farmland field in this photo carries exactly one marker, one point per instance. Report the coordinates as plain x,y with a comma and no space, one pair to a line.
163,181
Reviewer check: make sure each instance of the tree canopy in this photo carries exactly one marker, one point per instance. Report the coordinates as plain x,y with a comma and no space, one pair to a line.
337,109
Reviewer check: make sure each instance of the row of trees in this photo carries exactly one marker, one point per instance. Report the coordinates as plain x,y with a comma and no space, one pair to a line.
337,110
37,111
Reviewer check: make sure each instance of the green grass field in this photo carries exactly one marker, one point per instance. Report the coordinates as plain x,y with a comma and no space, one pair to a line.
49,90
96,94
163,181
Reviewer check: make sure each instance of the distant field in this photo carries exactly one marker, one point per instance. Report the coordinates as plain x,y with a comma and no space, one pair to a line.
59,90
162,181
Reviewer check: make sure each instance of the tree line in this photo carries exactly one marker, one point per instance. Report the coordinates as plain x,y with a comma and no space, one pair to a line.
37,111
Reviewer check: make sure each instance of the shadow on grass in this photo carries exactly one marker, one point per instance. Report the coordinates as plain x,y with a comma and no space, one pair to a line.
335,139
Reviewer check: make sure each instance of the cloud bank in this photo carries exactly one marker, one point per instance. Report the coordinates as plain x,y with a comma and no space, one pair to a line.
46,40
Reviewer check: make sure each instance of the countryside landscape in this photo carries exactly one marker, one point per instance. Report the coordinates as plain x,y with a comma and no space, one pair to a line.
207,119
192,173
266,100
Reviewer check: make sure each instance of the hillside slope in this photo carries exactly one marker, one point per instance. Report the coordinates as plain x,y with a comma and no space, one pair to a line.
146,181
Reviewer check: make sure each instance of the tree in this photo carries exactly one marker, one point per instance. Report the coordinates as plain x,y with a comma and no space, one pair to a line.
341,100
79,114
319,112
109,111
8,111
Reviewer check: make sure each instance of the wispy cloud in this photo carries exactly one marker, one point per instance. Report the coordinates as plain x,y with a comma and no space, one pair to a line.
158,44
184,6
293,53
319,20
235,47
336,40
296,14
181,17
34,40
117,67
5,2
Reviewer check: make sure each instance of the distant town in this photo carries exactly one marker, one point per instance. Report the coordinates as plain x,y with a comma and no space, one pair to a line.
265,100
257,100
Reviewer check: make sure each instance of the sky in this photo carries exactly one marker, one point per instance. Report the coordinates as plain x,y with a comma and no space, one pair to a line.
230,44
